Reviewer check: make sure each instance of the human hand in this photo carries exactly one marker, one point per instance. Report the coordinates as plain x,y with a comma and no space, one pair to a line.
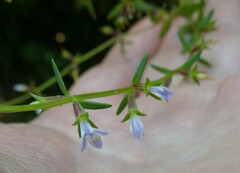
197,131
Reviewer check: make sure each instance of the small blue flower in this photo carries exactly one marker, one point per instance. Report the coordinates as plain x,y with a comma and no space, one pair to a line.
161,92
136,126
91,135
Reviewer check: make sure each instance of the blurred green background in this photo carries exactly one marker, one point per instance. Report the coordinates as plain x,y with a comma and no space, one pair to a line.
28,41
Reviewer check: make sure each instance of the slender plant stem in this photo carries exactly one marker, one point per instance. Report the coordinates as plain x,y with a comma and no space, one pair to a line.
63,100
68,98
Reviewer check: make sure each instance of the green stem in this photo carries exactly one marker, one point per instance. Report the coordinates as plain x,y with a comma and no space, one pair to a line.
64,100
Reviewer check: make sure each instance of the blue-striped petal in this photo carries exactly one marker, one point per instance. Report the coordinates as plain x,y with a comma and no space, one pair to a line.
136,126
161,92
84,143
95,140
90,135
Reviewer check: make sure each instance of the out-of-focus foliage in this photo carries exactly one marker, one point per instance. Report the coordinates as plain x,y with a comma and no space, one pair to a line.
28,38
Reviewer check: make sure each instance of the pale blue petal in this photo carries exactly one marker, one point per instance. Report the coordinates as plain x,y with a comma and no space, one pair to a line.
169,93
162,92
84,143
90,135
101,132
86,128
95,140
136,126
155,91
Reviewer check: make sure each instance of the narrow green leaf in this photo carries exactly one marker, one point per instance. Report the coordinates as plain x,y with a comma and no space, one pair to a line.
142,5
139,72
204,62
146,86
188,10
92,124
186,29
140,113
94,105
77,121
184,42
206,20
127,117
115,12
79,131
122,105
154,96
210,15
196,80
191,61
160,69
59,79
89,5
36,97
195,68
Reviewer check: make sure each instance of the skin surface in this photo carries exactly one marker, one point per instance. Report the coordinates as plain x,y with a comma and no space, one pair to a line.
197,131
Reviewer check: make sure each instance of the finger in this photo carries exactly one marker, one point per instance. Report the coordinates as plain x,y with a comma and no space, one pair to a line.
223,54
118,68
27,148
196,119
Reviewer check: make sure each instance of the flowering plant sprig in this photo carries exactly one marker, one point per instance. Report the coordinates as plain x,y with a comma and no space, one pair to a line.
86,127
136,126
191,36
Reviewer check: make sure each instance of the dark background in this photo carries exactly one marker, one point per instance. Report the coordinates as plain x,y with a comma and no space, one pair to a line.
27,41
